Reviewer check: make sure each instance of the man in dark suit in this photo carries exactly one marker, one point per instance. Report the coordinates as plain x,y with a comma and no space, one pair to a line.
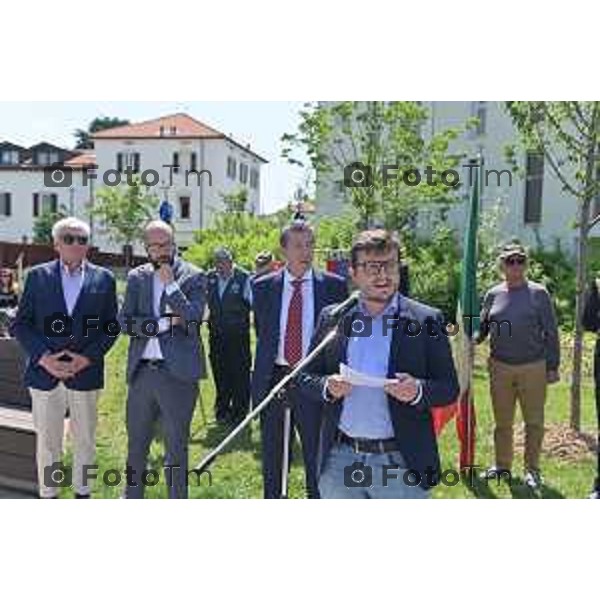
377,436
163,308
286,306
66,322
229,301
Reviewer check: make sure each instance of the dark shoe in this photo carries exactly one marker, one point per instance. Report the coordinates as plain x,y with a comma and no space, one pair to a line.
496,473
82,496
533,479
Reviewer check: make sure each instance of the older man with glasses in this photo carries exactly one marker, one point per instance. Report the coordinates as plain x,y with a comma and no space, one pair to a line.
66,322
524,357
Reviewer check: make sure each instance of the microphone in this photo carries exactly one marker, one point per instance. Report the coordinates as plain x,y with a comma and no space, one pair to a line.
346,305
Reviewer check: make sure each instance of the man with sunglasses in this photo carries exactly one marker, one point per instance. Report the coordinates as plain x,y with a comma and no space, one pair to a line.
524,357
162,312
66,322
377,437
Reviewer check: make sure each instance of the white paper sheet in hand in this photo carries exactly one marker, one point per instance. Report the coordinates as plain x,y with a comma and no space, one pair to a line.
358,378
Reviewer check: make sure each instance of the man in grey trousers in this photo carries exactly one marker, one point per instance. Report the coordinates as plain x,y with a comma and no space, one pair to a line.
166,358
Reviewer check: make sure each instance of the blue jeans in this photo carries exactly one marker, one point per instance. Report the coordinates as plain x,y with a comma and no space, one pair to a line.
376,476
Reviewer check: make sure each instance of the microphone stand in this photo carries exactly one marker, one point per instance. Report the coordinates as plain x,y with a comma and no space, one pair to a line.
277,390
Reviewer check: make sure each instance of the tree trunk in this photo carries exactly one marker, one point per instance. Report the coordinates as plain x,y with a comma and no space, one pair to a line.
127,254
582,244
582,248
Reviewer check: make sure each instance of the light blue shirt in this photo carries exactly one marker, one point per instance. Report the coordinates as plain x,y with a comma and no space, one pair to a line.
365,412
72,282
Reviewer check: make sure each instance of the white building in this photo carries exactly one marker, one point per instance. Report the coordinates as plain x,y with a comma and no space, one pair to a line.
185,162
535,206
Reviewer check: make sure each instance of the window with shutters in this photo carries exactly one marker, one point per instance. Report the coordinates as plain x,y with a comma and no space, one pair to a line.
534,182
231,167
44,203
5,204
243,173
9,157
185,208
128,161
175,162
479,111
254,179
47,158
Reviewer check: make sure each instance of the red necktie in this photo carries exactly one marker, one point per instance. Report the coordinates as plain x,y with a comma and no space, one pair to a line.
292,348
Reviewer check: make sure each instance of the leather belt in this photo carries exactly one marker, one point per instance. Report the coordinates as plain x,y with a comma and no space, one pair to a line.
367,446
153,363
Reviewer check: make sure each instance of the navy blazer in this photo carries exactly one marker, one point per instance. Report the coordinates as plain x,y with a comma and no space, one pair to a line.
267,292
43,300
424,356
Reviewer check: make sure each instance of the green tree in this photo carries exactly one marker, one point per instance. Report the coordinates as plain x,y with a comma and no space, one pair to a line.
83,136
123,212
42,226
236,201
567,134
335,135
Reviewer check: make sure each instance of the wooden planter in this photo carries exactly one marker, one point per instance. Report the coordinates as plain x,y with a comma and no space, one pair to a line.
12,365
17,435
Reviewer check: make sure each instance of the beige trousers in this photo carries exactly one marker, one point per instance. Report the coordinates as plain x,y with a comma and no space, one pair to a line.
527,384
49,409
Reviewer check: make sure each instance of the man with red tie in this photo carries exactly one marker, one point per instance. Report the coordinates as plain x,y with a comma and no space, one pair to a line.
286,306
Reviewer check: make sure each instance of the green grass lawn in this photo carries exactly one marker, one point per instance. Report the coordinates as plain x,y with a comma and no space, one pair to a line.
236,474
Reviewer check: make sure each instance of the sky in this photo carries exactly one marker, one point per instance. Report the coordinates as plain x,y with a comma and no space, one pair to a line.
259,123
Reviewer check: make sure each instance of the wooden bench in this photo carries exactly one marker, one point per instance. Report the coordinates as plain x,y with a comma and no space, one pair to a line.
17,450
17,434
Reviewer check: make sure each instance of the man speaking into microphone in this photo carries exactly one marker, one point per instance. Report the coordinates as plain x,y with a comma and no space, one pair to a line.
166,360
388,364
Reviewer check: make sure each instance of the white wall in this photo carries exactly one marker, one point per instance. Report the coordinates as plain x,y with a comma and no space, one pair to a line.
558,208
22,184
205,198
154,153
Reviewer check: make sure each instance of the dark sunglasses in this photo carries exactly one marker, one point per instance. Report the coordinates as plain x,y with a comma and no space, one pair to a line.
515,260
69,239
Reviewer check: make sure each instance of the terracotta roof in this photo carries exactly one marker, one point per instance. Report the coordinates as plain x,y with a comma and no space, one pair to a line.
184,127
177,126
85,159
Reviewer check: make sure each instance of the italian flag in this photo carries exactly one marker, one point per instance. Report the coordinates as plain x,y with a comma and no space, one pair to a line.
467,318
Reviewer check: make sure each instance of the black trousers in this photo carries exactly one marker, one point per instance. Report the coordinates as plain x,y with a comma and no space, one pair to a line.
230,361
597,386
306,419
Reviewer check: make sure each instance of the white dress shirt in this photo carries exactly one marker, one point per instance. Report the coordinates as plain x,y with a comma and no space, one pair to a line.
308,312
152,351
72,282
